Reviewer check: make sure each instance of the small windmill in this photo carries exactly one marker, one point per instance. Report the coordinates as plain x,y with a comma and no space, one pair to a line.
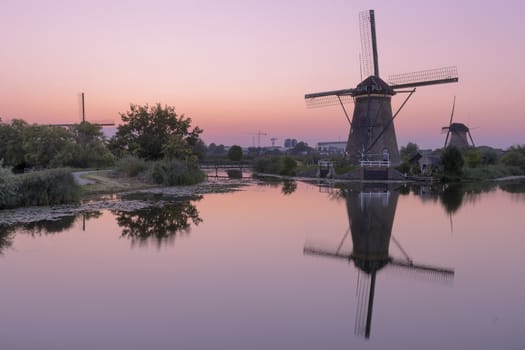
83,113
372,139
457,132
371,213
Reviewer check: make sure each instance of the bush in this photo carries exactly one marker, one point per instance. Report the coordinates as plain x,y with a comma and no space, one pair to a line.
276,165
515,157
8,188
288,166
175,173
453,161
473,158
235,153
49,187
131,166
234,173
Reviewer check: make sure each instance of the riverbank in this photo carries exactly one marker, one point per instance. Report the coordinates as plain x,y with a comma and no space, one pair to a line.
132,195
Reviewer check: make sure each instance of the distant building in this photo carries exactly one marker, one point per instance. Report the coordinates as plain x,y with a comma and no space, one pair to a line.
290,143
334,147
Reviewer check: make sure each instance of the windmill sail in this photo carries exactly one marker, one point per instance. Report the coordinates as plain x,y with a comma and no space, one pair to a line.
425,77
367,30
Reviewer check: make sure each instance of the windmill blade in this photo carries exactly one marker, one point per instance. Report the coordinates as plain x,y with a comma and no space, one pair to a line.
452,114
367,30
329,100
422,78
428,270
319,252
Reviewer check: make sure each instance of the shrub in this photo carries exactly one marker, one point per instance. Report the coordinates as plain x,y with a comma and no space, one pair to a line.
8,188
131,166
453,161
48,187
174,173
288,166
276,165
234,173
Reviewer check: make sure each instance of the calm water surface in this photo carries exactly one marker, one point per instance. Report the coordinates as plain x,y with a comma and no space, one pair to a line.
276,266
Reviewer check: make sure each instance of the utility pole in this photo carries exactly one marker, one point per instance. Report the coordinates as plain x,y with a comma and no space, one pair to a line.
83,110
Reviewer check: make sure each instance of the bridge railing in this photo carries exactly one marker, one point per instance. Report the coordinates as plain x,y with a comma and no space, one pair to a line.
374,163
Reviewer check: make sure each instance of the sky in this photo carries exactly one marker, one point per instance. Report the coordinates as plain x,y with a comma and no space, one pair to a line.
239,67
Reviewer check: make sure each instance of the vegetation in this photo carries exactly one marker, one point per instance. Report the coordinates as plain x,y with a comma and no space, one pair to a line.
155,132
282,165
235,153
453,161
49,187
42,147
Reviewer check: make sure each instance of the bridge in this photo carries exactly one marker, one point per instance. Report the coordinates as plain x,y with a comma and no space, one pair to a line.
225,167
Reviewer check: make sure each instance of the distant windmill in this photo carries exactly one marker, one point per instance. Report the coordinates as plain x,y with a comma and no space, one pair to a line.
371,212
83,111
372,139
457,132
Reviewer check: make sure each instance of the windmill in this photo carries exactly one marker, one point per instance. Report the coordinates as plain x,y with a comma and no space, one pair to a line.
457,132
83,112
372,139
371,213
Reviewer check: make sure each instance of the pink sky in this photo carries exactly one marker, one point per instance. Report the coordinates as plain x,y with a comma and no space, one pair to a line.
236,67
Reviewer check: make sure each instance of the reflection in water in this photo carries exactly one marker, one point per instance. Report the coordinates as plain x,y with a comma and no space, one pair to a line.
289,187
158,223
371,211
6,237
517,189
43,227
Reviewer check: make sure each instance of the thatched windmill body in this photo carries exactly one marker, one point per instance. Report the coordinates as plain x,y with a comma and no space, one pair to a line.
457,133
372,138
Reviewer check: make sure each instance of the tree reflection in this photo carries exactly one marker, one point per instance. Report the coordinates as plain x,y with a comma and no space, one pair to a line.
452,198
513,187
289,187
160,224
6,237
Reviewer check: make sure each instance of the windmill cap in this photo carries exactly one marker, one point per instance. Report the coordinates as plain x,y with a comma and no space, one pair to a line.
458,127
373,85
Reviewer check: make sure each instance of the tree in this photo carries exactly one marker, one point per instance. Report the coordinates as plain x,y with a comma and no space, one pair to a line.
47,146
409,151
453,161
235,153
515,156
150,131
11,145
90,146
301,148
472,158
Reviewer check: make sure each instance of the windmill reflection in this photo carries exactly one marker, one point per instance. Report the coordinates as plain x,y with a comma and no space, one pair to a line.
371,210
160,224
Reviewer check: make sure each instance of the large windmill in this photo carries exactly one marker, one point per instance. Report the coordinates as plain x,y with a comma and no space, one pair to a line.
371,213
457,132
372,139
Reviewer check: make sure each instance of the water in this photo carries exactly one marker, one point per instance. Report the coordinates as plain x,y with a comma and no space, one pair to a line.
269,267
